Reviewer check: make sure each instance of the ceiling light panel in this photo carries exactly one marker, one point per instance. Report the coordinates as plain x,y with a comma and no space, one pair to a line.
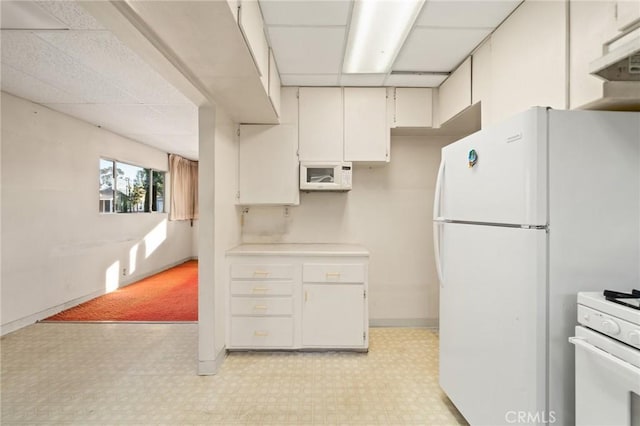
431,49
465,13
305,13
415,80
309,79
308,50
378,30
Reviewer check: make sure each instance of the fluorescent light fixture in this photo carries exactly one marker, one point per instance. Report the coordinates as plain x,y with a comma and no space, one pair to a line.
378,31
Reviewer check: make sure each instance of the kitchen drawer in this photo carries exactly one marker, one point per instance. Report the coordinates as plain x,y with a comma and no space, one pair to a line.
261,271
261,306
328,273
261,288
261,332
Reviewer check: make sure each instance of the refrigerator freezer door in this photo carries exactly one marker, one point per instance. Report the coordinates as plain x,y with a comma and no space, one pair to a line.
498,175
492,321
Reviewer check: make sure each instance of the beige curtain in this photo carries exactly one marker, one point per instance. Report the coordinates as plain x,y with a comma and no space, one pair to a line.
184,188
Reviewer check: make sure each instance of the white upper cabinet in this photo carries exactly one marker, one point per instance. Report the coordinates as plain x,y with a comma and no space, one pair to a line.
252,27
455,92
321,124
413,107
274,83
269,167
366,132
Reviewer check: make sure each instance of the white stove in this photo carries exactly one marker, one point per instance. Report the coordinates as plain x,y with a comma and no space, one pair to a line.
607,360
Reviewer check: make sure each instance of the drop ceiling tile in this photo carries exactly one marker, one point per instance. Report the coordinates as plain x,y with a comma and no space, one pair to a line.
31,55
309,79
415,80
104,54
308,50
71,13
177,119
184,145
465,13
438,49
28,15
28,87
362,79
304,12
127,118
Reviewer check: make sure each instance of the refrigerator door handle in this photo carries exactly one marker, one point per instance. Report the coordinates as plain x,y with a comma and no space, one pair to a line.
438,194
438,221
437,226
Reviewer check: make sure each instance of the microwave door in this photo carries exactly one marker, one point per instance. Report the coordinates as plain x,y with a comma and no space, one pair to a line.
321,175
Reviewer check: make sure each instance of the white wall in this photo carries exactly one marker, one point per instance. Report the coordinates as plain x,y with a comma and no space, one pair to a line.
57,249
389,211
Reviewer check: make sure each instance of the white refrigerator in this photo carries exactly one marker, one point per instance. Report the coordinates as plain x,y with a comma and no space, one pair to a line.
526,214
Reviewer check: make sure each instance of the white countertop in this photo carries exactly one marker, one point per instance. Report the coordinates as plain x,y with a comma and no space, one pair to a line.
299,250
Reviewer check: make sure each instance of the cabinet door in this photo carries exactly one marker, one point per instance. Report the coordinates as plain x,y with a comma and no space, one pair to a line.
274,83
366,134
333,315
268,165
413,107
252,28
321,125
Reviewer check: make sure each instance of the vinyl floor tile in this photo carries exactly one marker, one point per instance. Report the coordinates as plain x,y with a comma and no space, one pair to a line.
145,374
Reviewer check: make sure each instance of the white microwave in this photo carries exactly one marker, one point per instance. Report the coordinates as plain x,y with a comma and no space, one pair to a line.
325,176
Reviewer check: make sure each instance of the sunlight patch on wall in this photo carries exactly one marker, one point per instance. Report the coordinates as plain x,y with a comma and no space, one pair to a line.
155,237
112,277
133,255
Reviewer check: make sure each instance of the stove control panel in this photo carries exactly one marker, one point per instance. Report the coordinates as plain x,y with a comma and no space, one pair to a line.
617,328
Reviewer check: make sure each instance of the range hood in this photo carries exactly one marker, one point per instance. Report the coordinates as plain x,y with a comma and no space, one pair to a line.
621,58
619,66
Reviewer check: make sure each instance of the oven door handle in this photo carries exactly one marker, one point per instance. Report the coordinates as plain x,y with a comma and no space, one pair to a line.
584,344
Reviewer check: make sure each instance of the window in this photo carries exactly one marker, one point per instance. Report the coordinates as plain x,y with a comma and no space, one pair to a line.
125,188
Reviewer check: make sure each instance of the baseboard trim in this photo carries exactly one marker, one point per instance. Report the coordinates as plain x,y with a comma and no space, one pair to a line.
211,367
404,322
16,325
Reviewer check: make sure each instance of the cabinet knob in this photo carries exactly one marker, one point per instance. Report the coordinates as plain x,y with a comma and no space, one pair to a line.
261,273
258,333
335,275
260,289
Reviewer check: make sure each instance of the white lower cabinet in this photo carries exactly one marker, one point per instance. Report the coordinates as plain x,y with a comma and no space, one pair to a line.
332,315
297,296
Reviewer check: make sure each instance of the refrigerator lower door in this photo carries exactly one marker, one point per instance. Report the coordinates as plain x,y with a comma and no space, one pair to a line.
493,322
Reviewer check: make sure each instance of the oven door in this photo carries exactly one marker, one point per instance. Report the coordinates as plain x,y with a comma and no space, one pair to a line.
607,380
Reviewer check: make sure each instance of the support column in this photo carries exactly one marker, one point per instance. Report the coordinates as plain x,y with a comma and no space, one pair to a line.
208,359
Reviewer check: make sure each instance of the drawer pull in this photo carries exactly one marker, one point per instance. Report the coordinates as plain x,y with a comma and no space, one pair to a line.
333,275
260,307
260,289
261,333
261,273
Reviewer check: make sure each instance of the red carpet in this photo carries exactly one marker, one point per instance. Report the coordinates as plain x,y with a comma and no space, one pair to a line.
171,295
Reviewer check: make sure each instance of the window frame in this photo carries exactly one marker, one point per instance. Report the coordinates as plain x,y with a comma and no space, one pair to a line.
148,202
